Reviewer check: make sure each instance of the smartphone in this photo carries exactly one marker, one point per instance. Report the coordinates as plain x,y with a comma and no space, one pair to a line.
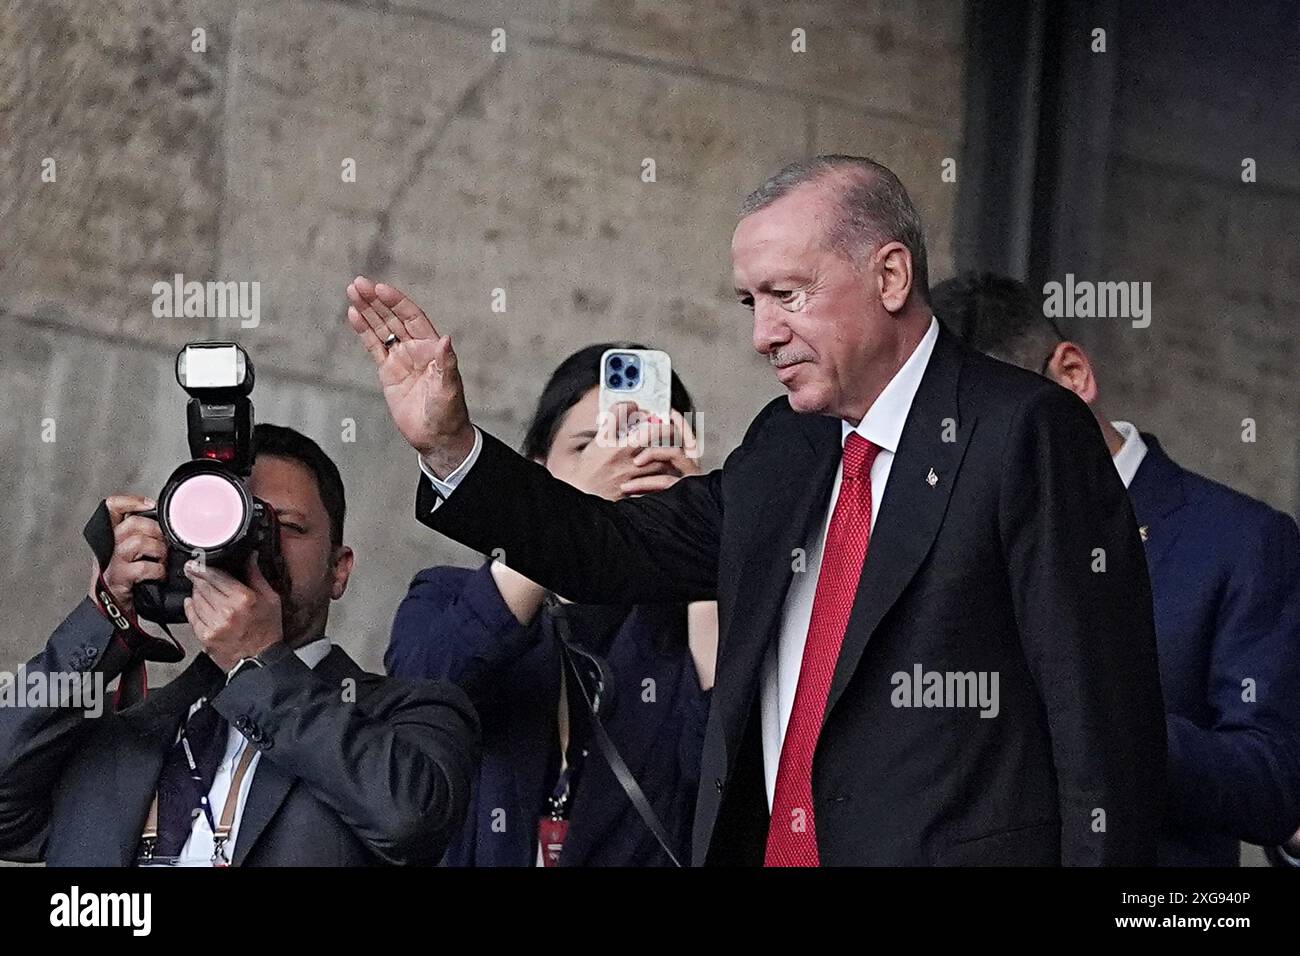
644,376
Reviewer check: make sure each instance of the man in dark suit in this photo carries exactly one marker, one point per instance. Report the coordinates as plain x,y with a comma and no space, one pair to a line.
272,749
1225,574
979,688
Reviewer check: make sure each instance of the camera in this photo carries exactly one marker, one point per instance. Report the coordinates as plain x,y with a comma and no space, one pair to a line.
205,509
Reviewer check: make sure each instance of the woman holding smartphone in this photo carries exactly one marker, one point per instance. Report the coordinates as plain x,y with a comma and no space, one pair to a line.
545,792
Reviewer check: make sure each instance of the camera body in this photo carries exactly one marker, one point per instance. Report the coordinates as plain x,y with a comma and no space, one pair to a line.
206,510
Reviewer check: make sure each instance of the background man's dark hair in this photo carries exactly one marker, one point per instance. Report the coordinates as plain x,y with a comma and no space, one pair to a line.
285,442
575,376
874,208
998,316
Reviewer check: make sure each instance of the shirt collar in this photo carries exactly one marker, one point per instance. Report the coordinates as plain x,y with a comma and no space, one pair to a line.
883,423
315,652
1129,457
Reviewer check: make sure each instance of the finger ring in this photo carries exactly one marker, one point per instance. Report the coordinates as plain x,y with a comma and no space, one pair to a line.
388,342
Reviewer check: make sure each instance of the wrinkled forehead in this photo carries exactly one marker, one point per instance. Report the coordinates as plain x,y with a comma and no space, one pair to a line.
787,234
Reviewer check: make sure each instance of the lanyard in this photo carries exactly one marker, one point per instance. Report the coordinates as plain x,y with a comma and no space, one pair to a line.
221,830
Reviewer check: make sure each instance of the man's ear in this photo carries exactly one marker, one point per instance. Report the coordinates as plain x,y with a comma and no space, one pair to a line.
895,282
1070,366
344,559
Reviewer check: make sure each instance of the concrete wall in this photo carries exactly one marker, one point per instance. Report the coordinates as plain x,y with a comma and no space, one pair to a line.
1221,254
475,170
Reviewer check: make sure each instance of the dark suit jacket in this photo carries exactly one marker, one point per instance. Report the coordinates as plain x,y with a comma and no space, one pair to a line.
1225,574
454,625
381,780
996,567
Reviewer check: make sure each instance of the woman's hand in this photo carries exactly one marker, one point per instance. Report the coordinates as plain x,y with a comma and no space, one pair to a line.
608,463
674,455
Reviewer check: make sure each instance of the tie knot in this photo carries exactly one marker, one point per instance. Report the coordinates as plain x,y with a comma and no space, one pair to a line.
858,456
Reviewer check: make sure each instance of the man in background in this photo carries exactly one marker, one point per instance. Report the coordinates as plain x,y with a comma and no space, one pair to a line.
1225,575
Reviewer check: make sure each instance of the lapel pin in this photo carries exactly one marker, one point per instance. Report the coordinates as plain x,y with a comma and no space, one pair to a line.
1143,534
931,479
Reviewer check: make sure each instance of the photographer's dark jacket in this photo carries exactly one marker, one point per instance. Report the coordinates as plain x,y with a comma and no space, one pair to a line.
454,625
355,769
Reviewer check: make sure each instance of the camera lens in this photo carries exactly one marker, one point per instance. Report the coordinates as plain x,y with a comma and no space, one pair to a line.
205,511
631,373
616,381
615,362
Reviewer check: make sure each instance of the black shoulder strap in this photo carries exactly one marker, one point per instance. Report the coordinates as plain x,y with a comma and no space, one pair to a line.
573,655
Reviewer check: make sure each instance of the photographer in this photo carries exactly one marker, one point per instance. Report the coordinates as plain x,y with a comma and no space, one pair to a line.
273,748
545,794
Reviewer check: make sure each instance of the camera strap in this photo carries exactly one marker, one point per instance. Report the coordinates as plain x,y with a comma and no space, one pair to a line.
140,646
579,658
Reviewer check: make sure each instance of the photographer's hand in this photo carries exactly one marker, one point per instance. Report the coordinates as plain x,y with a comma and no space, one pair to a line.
418,372
139,550
232,620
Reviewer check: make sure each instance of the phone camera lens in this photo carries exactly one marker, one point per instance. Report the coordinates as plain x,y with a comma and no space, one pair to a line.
615,362
615,381
631,373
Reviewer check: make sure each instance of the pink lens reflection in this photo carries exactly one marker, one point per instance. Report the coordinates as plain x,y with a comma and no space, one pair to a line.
205,511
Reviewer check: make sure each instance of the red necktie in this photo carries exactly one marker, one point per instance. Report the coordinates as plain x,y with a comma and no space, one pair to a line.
792,834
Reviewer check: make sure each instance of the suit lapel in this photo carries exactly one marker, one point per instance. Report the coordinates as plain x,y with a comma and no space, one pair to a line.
794,508
920,484
1156,492
146,736
268,790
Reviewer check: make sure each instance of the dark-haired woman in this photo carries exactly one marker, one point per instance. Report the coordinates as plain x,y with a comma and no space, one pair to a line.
545,793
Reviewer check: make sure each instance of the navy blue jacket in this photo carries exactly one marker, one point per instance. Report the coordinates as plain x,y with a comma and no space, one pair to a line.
1225,579
454,623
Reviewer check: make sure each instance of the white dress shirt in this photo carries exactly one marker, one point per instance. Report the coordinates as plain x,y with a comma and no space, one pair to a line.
197,850
1130,455
883,426
445,486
